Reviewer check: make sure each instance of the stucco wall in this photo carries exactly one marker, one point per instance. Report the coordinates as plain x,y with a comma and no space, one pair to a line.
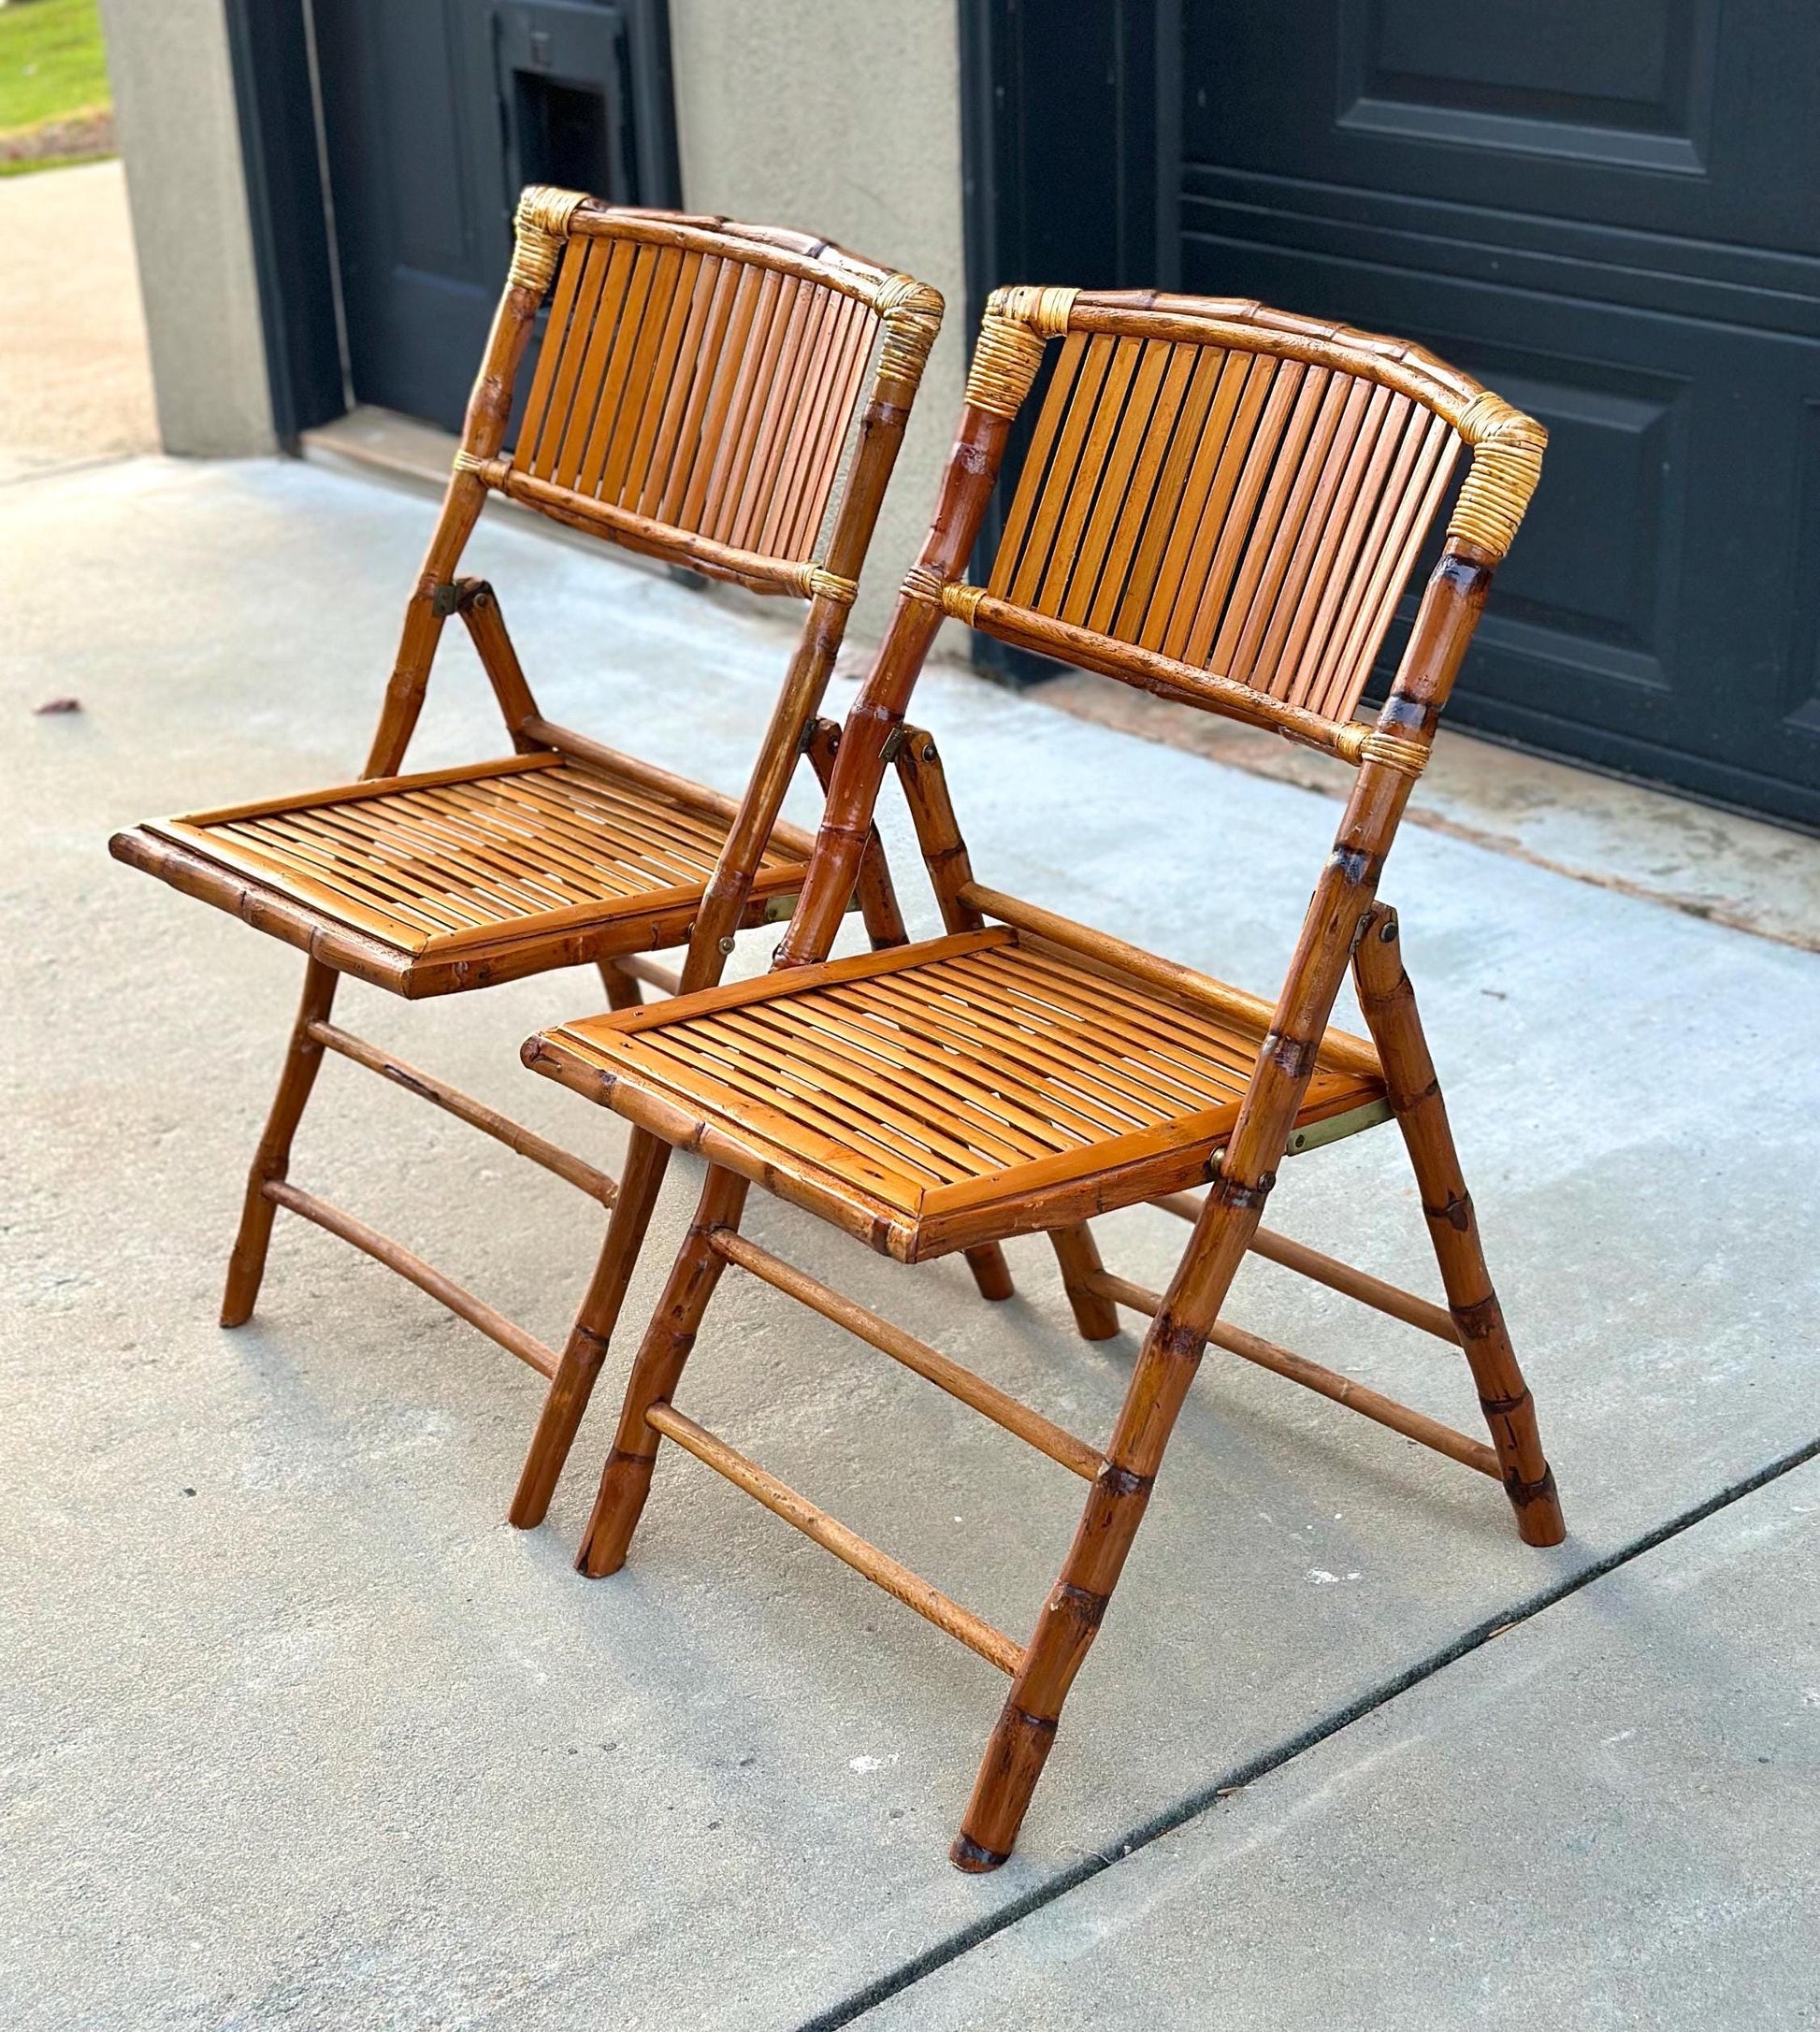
845,121
179,138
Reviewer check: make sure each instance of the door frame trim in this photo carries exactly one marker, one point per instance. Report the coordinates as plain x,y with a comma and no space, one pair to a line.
1138,150
277,100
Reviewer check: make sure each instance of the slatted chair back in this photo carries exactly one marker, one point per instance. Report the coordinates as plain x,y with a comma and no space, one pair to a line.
1221,505
723,397
697,384
1224,503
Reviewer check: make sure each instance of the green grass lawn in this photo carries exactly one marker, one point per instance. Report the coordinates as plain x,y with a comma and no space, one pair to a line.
51,63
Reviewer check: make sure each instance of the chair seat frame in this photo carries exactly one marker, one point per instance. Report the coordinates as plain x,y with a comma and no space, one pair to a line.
749,386
1333,375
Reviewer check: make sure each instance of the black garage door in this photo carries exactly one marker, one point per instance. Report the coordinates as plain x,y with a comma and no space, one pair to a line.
1607,209
434,113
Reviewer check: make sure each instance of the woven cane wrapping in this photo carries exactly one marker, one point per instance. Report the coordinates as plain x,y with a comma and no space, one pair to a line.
1005,357
814,582
911,314
541,225
1506,462
1395,751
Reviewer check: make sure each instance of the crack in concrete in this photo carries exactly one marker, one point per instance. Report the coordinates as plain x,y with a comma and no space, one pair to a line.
1204,1797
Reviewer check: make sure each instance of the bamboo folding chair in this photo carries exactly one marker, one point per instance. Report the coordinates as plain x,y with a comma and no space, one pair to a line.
1221,505
699,385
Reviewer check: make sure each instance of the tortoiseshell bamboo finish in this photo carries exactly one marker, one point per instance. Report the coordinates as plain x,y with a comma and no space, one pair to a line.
1221,504
723,397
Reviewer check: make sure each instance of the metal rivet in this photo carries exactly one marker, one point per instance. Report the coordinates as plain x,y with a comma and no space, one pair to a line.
728,942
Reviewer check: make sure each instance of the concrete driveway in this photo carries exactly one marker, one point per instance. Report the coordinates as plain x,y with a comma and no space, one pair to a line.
297,1732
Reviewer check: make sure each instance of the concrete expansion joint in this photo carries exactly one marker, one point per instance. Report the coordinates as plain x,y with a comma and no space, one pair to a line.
1203,1798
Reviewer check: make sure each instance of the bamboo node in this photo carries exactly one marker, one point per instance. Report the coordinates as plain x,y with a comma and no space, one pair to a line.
963,601
1506,462
911,314
541,227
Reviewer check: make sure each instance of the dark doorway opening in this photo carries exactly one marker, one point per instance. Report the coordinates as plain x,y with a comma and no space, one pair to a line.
385,147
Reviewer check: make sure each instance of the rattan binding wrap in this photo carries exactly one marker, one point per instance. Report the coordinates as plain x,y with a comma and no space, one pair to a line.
910,313
1010,346
1506,462
541,225
1359,745
814,582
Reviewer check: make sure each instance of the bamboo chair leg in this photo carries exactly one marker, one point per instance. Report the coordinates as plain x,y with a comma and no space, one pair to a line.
873,889
1070,1619
623,991
626,1480
1078,1254
992,1272
647,1156
303,1057
1389,1005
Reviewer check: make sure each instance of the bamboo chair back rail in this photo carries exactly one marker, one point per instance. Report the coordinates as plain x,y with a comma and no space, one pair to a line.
1223,503
697,386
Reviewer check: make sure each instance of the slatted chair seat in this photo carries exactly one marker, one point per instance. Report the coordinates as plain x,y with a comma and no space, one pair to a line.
938,1094
449,870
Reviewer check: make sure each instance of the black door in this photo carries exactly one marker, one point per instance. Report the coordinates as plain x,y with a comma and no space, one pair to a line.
1607,209
434,113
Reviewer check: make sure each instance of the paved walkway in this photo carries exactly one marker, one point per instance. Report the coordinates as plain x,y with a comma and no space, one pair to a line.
75,379
295,1731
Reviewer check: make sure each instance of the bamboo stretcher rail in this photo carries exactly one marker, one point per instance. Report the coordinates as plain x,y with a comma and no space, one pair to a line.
833,1536
1334,1274
414,1270
1162,676
665,979
1416,1425
1003,1410
476,1113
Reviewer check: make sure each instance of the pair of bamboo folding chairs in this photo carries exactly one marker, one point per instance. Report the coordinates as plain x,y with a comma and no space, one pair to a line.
1221,505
